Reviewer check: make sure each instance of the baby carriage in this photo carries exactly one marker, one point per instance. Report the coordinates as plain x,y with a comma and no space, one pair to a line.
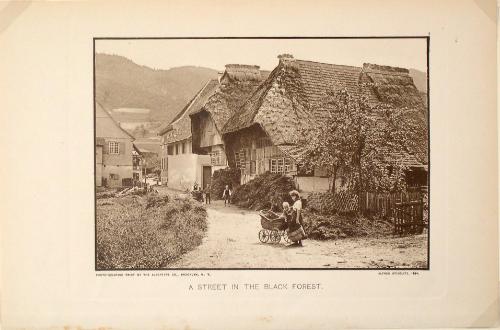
273,227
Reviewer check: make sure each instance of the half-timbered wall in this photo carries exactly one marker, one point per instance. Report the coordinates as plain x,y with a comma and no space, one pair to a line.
252,152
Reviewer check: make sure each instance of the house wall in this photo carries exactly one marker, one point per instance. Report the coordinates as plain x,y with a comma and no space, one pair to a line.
209,135
204,133
116,167
312,183
182,147
218,158
119,172
98,166
119,164
252,152
185,169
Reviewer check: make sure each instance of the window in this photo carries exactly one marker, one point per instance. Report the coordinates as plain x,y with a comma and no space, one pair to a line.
288,165
183,145
170,150
113,147
218,157
237,159
252,167
176,148
274,166
281,165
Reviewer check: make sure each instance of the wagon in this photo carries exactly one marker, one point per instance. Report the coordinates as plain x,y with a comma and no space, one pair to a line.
273,229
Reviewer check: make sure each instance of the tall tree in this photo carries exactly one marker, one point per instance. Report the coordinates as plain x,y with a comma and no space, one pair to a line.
365,141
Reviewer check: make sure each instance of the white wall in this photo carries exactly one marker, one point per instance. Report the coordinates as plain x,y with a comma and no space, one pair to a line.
186,169
312,183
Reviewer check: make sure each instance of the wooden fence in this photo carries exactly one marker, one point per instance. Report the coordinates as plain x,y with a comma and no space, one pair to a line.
385,204
408,218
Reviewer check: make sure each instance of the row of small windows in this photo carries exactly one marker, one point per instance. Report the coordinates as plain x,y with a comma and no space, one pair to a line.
178,148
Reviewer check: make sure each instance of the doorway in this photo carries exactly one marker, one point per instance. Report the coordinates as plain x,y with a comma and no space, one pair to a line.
207,176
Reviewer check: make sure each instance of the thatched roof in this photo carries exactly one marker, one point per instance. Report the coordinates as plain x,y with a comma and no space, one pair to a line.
180,127
237,84
290,99
393,85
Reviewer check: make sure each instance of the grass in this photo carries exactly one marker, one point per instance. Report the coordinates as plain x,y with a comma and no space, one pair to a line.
147,232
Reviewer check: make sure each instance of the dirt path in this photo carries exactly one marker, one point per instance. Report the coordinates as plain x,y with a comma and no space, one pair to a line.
232,242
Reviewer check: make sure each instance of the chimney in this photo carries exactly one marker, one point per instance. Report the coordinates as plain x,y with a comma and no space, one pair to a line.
243,71
286,58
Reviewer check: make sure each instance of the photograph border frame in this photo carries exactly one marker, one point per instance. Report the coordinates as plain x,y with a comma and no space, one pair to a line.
427,38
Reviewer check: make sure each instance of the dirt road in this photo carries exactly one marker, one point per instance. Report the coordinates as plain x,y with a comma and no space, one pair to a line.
232,242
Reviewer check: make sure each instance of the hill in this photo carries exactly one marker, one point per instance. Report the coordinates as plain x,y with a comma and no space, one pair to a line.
420,79
121,83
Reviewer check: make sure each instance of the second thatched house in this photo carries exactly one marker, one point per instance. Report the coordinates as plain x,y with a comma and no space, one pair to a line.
180,167
237,83
262,135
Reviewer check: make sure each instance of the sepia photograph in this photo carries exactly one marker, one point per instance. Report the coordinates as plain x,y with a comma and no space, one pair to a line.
261,153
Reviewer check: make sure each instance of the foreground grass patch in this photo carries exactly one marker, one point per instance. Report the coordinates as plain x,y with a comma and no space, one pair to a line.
138,232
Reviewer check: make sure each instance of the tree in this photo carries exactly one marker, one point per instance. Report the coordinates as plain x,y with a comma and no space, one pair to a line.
366,141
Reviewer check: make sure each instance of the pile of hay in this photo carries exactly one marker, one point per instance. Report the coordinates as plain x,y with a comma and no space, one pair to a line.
136,232
264,190
221,178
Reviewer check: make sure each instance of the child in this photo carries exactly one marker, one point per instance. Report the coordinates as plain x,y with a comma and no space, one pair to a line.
207,194
226,195
286,215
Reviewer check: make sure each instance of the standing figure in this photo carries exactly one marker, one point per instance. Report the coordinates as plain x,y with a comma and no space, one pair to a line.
296,211
226,195
207,194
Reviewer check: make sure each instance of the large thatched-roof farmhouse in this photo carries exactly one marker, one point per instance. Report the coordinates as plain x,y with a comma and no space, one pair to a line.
262,135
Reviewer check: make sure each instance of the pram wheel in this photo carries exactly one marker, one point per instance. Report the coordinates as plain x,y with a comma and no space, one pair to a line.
275,236
285,237
264,236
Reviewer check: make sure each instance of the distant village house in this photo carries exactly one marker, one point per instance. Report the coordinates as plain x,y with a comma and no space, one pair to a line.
114,151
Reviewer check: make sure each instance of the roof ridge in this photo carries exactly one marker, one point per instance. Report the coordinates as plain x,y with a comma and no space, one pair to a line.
331,64
113,120
261,86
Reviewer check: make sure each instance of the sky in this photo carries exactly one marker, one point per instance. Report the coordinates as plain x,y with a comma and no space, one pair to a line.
215,53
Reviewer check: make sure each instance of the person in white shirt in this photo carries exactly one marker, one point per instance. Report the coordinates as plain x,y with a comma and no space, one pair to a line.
297,211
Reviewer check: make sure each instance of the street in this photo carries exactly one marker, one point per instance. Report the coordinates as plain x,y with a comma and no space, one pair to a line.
232,242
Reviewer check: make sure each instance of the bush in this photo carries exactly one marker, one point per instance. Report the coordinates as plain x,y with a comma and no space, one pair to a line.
135,232
322,202
221,178
323,227
264,190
